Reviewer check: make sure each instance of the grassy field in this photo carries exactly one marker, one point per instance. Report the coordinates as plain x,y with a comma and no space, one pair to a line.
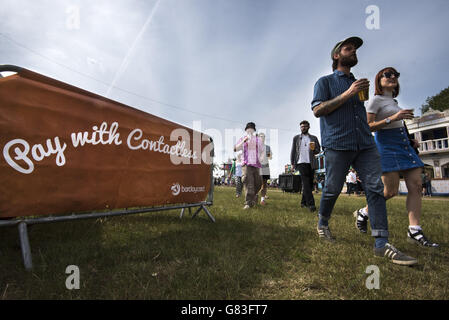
270,252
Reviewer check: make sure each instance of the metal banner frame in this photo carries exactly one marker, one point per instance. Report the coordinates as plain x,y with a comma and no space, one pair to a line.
22,223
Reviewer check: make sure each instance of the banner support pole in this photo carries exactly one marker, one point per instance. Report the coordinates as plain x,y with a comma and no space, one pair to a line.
182,213
208,213
25,246
197,211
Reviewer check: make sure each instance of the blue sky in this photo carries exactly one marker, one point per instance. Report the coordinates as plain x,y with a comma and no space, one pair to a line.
225,62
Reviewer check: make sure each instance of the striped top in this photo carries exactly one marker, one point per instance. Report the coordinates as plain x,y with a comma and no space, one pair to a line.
346,128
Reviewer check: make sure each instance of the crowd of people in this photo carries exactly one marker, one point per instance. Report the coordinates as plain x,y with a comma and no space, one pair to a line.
353,183
369,165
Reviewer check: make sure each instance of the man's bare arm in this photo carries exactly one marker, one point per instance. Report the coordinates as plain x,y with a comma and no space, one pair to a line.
329,106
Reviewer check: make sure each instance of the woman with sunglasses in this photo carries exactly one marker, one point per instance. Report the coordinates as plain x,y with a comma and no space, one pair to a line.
398,156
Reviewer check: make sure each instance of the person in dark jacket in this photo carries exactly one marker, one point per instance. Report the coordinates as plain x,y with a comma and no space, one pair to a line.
302,157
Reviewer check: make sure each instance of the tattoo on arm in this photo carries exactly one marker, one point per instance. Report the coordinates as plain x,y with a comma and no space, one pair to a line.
326,107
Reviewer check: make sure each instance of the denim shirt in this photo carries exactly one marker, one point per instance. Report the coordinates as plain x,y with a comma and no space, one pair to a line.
345,128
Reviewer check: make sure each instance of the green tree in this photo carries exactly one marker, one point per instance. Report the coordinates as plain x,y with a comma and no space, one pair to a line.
437,102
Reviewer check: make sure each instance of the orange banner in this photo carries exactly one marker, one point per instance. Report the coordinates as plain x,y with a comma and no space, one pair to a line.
67,150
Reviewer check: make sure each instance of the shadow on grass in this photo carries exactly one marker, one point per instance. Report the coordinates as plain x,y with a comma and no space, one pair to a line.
151,256
270,252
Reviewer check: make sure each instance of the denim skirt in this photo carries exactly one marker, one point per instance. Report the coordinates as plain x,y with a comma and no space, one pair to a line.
395,150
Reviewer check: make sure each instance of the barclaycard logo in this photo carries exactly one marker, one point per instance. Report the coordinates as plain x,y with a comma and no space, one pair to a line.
175,189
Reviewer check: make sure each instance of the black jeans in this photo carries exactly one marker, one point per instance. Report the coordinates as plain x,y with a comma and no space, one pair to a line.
307,173
352,188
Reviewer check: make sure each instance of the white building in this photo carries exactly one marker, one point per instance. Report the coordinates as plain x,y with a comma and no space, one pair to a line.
432,132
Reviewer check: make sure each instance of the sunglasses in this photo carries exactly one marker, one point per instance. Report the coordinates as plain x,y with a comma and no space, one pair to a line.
389,74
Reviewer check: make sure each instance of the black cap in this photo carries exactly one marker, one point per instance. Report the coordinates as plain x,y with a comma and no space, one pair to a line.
250,125
355,40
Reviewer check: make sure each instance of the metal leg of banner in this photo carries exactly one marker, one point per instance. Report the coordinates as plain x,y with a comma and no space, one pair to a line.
208,213
182,212
196,212
202,207
25,245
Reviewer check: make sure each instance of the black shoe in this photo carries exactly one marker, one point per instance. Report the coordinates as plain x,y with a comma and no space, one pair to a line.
395,255
312,208
361,221
419,238
325,234
303,205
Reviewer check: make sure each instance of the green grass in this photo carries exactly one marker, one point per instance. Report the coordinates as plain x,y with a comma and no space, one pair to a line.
269,252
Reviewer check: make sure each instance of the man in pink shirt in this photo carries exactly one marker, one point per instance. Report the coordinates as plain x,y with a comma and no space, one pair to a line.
253,152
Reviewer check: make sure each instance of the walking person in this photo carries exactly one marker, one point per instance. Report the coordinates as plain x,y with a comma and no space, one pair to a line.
265,170
423,182
320,181
302,157
315,185
347,140
238,175
359,185
351,181
428,184
253,152
398,157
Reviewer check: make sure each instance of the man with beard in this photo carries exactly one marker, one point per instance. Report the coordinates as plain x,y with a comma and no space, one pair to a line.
302,158
346,139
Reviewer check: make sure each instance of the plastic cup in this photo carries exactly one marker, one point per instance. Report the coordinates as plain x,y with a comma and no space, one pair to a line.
312,145
363,94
